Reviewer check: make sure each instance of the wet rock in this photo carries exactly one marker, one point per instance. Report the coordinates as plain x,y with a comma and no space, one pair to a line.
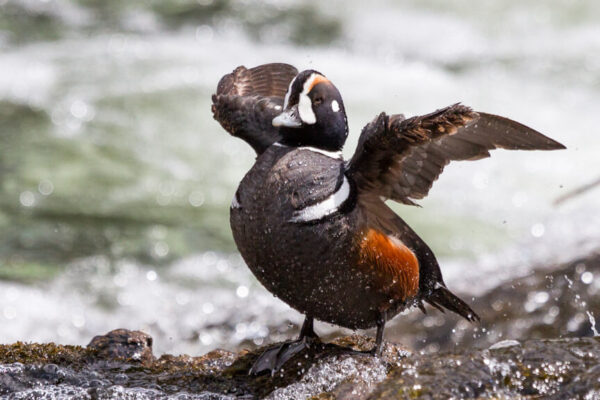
500,358
123,344
109,368
550,302
561,369
564,368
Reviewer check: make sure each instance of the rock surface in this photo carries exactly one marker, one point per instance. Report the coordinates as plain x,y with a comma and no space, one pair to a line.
115,370
123,344
552,308
556,301
563,368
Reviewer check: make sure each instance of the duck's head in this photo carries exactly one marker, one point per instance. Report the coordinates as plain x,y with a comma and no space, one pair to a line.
313,113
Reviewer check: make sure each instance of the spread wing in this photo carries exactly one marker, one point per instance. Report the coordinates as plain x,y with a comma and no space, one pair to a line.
247,100
399,158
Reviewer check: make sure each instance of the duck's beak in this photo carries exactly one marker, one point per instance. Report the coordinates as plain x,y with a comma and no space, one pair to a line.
288,118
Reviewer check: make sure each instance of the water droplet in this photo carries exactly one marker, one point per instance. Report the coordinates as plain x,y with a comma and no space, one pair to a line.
79,109
196,198
569,281
587,277
205,338
541,297
161,249
242,291
537,230
27,198
45,187
151,275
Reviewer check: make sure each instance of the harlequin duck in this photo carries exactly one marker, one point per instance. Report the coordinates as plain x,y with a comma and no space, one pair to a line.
314,229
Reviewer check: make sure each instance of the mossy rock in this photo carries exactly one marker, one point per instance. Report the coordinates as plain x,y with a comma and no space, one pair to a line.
109,368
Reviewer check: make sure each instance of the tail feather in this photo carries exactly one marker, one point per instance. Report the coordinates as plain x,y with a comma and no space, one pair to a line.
442,297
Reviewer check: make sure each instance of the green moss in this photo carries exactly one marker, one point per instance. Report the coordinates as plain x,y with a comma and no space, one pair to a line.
46,353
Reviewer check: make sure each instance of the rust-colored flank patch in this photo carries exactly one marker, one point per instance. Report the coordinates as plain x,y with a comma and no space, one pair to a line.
394,265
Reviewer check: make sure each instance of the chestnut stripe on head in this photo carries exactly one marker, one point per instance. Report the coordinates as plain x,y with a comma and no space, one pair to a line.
313,81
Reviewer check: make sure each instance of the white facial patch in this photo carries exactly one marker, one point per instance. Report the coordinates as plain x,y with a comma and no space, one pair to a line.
335,106
305,104
324,208
286,100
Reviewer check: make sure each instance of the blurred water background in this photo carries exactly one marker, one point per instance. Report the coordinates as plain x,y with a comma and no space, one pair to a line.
115,181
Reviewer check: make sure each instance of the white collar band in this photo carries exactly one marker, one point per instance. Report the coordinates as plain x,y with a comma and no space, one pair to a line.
331,154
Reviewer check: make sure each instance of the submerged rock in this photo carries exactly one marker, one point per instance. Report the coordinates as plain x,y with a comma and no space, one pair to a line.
560,368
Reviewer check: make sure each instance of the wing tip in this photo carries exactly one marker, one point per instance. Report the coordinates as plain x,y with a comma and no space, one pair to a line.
555,145
534,139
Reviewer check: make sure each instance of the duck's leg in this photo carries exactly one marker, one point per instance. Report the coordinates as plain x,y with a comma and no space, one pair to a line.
307,328
273,359
376,351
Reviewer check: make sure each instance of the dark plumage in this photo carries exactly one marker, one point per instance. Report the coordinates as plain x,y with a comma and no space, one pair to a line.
247,100
314,229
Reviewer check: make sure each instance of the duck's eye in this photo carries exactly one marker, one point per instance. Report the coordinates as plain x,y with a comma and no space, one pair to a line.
317,101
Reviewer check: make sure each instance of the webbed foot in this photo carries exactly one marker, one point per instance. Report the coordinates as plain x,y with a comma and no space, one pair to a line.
273,359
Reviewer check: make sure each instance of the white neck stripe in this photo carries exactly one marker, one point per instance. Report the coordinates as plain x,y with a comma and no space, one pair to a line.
330,154
324,208
286,100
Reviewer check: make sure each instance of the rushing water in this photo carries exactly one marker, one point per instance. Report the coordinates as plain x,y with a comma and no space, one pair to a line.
115,182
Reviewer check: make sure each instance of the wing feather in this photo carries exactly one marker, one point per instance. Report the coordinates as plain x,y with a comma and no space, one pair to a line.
400,158
247,100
